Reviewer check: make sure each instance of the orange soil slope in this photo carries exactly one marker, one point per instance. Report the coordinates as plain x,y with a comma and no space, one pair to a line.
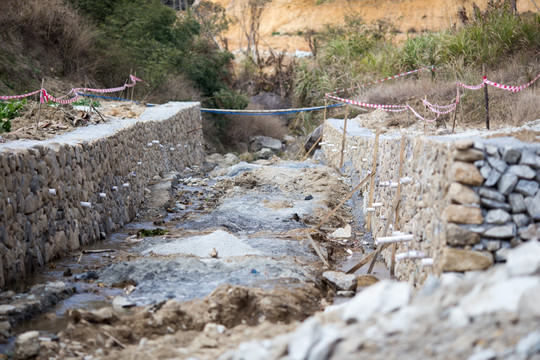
282,20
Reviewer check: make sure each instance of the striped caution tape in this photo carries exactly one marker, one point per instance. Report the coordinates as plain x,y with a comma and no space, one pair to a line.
431,67
46,97
512,88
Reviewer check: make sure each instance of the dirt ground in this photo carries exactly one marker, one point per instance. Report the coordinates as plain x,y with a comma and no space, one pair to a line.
47,121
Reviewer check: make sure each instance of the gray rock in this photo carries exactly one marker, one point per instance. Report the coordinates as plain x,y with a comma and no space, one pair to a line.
526,187
521,220
312,137
502,232
491,194
311,341
458,236
259,142
529,345
533,206
507,183
264,153
492,150
325,346
492,245
530,158
479,145
525,259
497,216
462,194
480,163
492,204
230,159
501,255
497,164
522,171
530,232
492,178
517,203
341,280
511,155
486,170
27,345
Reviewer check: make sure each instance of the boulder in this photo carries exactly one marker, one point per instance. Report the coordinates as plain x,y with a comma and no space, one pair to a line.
264,153
312,137
260,142
27,345
465,260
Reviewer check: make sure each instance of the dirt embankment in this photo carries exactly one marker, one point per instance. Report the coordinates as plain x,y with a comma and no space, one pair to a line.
283,23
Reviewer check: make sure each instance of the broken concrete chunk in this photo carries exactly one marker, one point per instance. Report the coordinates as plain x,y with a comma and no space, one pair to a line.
463,214
340,280
465,260
344,232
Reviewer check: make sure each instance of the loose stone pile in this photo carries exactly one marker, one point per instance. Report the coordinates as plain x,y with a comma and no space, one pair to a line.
480,315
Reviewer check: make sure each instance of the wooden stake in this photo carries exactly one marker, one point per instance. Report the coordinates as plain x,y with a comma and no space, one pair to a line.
344,135
372,182
456,110
39,106
486,97
313,147
133,88
325,105
349,195
316,247
365,260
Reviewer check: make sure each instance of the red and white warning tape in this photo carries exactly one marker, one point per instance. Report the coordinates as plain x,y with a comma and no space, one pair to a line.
431,67
512,88
10,97
45,96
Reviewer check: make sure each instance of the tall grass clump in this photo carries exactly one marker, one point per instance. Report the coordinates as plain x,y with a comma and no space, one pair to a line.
357,53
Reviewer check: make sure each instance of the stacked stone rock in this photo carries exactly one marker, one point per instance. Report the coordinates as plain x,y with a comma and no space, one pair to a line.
494,200
56,197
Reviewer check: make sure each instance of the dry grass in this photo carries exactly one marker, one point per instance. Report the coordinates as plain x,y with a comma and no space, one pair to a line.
240,128
176,88
53,33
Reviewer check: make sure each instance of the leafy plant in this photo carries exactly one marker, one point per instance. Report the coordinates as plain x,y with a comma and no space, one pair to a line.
8,111
87,102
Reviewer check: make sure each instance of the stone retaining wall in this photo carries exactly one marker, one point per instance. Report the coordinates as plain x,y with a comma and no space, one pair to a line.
67,192
448,206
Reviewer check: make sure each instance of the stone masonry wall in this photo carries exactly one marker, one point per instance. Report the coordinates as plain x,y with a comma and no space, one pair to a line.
59,195
459,217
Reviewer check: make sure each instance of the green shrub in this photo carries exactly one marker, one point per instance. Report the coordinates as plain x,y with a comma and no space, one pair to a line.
8,111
